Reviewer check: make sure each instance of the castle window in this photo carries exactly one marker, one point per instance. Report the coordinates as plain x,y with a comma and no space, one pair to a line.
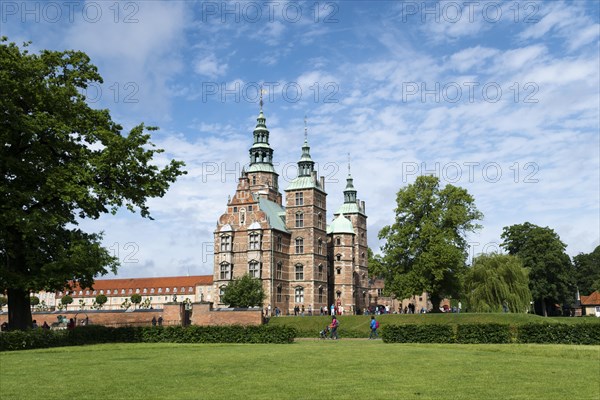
242,216
320,271
279,293
338,257
339,294
145,290
299,272
254,242
159,290
362,255
87,292
320,298
319,221
253,269
339,271
225,271
338,241
122,291
254,179
299,246
152,290
225,243
320,246
168,290
136,290
300,199
235,209
299,295
279,270
299,220
279,243
249,208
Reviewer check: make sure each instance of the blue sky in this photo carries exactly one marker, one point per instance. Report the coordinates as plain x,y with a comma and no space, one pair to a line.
501,98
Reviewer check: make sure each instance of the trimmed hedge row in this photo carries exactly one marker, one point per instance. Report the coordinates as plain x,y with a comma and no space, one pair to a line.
588,334
95,334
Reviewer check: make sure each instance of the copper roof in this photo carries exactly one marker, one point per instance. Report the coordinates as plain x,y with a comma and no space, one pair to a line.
592,299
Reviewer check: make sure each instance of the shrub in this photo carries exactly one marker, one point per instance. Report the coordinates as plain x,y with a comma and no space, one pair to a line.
433,333
559,333
483,333
94,334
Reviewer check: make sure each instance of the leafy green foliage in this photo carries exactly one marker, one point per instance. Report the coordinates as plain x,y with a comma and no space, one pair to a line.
244,292
66,300
426,249
101,299
136,298
483,333
60,161
587,271
93,334
495,280
34,300
417,333
559,333
543,253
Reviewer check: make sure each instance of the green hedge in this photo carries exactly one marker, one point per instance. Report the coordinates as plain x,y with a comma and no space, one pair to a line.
417,334
94,334
588,334
559,333
483,333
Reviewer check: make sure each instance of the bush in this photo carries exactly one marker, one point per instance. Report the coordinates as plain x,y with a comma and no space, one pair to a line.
433,333
483,333
559,333
94,334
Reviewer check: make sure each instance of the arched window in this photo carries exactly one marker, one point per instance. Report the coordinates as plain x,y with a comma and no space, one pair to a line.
299,295
225,243
299,272
320,298
225,271
320,246
299,245
319,221
338,257
320,271
254,269
279,293
279,270
299,220
254,241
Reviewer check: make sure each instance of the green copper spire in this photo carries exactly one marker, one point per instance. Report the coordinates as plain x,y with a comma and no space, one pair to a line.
306,164
349,192
261,154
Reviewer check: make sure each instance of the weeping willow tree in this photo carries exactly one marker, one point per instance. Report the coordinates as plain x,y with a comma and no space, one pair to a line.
496,280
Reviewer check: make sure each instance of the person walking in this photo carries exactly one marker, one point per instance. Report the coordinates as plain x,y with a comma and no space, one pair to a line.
374,325
334,325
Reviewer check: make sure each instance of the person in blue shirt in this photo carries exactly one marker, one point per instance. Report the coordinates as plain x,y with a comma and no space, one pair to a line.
374,325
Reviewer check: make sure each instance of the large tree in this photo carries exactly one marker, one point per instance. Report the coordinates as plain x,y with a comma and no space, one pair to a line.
587,271
61,161
425,248
244,292
543,253
495,281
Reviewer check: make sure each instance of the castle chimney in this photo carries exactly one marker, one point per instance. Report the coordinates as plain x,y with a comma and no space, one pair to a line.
323,182
362,203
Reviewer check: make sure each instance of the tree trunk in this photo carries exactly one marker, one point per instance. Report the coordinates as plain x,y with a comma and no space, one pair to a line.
544,309
19,309
435,303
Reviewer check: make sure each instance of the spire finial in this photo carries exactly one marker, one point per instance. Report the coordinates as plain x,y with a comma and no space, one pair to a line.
305,129
348,163
262,91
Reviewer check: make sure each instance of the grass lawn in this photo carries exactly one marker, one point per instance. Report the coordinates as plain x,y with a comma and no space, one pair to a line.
358,325
310,369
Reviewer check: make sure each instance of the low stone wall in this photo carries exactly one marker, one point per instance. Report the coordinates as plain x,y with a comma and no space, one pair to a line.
203,314
103,317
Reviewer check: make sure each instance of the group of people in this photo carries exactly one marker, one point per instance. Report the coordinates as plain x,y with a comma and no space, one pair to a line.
158,321
330,331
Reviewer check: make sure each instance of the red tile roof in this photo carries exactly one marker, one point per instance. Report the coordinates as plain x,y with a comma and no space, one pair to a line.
591,300
144,283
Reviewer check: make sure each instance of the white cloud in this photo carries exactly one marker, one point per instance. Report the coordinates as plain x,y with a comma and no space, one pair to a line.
210,66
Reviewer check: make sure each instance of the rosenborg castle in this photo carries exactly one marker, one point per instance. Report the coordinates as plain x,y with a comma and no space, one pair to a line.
300,259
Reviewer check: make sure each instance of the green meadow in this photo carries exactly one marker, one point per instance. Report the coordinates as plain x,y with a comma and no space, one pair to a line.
307,369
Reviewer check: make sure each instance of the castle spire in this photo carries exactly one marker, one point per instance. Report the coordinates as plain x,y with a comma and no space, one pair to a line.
349,192
261,153
306,164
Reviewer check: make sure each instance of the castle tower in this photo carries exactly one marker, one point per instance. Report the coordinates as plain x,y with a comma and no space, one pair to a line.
306,220
349,254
